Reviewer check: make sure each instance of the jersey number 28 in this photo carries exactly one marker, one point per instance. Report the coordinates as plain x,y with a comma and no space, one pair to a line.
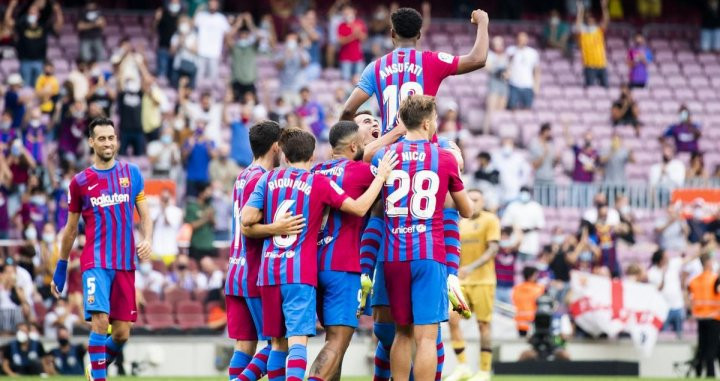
424,185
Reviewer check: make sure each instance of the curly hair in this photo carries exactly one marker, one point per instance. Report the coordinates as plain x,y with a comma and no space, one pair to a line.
406,22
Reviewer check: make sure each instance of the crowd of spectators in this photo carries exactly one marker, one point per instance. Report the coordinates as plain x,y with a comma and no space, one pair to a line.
199,140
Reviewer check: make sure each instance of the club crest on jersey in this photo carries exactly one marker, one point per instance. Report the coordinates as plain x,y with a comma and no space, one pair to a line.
444,57
91,299
124,182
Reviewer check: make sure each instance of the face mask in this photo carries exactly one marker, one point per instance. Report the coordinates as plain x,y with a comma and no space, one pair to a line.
65,184
625,209
524,196
291,44
34,336
558,239
92,15
585,256
245,42
184,28
48,238
35,123
132,86
684,115
174,7
350,18
100,91
63,342
554,20
6,125
15,150
182,267
78,114
145,268
32,19
38,200
166,139
505,243
507,149
60,311
21,337
31,234
592,29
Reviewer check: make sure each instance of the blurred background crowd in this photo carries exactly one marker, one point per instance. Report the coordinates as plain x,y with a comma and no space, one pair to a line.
586,118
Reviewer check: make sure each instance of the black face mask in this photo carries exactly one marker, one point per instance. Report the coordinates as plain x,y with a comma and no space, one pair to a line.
63,342
182,267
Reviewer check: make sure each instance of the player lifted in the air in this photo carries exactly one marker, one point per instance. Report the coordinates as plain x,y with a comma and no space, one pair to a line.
244,311
406,71
339,280
413,237
288,270
106,196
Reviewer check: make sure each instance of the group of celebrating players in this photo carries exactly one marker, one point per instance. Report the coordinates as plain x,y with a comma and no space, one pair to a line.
310,240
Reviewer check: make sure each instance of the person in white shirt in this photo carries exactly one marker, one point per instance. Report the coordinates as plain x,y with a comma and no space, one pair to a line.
147,278
672,230
523,74
60,316
211,26
526,214
208,111
666,274
214,277
513,167
670,173
591,215
167,220
164,154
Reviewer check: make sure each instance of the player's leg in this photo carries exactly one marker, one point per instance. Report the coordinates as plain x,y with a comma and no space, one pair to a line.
273,325
461,371
384,330
96,291
240,327
338,302
440,352
123,312
277,358
299,306
257,367
398,284
429,307
425,361
483,299
400,352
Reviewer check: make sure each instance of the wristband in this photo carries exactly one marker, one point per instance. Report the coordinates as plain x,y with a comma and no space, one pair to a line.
60,274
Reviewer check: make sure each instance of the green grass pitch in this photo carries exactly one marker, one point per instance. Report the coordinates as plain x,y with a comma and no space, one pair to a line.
495,378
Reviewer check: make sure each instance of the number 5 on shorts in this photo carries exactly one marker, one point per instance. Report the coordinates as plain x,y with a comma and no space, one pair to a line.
91,285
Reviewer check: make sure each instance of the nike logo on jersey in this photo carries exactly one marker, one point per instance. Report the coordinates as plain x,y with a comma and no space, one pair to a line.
92,187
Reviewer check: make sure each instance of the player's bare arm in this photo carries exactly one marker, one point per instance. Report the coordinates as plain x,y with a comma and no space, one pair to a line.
462,203
287,224
488,255
67,239
250,216
356,99
144,247
389,138
477,56
362,204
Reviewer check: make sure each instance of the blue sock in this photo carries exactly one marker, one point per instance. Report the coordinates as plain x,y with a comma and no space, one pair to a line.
257,367
296,363
440,355
385,332
112,349
238,362
96,349
276,365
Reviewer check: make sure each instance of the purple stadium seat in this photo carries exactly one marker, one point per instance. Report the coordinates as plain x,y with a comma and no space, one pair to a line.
174,295
150,296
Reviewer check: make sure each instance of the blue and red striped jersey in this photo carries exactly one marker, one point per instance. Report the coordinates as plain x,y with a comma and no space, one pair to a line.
404,72
106,200
293,258
245,253
339,239
413,197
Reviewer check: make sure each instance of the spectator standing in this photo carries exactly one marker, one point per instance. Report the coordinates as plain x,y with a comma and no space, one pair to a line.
591,37
710,26
47,88
312,114
670,173
164,154
223,170
666,274
523,74
607,242
639,55
626,229
696,174
130,97
210,113
78,77
312,37
672,230
586,160
614,159
5,186
90,32
211,26
14,102
351,34
25,355
556,33
528,216
591,215
184,50
154,103
487,179
243,44
505,264
197,153
513,168
544,158
686,133
335,18
200,214
379,40
31,35
166,24
497,93
167,220
624,111
72,132
68,357
291,60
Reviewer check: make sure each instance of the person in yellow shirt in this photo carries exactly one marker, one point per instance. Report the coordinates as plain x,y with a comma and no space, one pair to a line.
591,38
479,238
47,88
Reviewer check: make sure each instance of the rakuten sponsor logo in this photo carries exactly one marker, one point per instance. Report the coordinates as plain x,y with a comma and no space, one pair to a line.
109,200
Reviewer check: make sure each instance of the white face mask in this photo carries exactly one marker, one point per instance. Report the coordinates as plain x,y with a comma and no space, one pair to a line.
48,237
32,19
184,28
174,7
31,233
21,337
291,44
507,149
524,196
35,123
34,336
60,311
92,15
145,268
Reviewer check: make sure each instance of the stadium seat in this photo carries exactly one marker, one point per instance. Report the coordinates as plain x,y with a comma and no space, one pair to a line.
174,295
158,315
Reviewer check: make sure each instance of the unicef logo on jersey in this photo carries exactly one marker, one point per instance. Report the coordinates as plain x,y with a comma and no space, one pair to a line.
421,228
238,261
289,254
409,229
272,255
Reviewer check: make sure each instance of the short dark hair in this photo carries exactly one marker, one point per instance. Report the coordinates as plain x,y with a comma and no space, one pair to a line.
363,112
406,22
262,136
342,130
657,256
297,145
545,127
415,110
507,230
99,122
484,155
528,272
